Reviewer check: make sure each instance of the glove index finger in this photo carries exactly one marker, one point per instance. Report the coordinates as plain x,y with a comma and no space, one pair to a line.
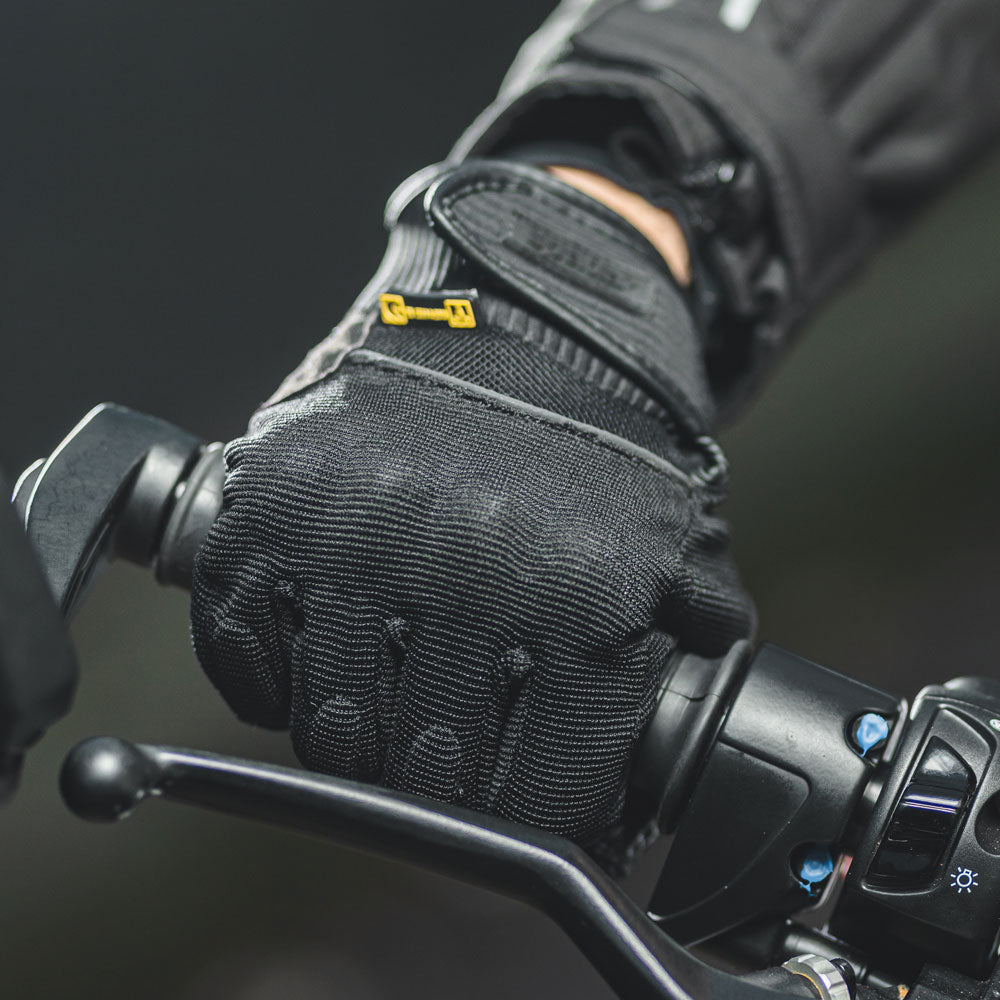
237,635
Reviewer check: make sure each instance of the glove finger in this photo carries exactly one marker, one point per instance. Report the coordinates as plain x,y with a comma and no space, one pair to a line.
453,701
570,737
242,633
344,685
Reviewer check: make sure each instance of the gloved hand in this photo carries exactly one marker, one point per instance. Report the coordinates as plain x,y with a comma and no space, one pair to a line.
458,547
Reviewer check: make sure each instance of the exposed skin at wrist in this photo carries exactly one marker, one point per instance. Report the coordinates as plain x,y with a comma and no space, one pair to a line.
658,226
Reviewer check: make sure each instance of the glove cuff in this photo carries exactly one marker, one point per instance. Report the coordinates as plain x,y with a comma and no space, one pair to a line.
535,257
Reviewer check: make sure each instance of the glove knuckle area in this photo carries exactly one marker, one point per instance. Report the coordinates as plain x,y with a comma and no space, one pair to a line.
706,605
344,683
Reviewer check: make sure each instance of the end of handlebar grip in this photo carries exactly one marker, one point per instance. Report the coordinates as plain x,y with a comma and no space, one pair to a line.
104,778
196,506
104,493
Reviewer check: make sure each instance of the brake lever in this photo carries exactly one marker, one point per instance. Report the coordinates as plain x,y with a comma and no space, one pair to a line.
105,778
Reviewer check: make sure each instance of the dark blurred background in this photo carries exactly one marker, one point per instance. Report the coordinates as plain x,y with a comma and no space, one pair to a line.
191,197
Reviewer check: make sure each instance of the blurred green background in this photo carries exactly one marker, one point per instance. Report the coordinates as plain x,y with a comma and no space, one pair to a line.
192,197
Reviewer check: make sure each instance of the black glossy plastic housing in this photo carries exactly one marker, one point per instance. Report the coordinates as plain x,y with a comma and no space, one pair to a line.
782,774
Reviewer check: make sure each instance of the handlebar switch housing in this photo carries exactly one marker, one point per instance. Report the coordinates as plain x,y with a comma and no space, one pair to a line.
783,776
924,883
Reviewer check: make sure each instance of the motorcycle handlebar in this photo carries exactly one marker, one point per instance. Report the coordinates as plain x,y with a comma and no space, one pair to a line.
124,485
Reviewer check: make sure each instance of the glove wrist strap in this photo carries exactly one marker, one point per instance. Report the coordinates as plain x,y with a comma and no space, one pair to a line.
580,265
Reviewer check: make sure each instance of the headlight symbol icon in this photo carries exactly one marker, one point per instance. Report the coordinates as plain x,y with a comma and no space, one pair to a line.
964,880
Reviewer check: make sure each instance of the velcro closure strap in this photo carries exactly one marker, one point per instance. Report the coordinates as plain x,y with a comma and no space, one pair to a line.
582,266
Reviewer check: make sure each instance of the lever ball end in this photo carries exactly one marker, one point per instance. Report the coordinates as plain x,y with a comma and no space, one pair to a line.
104,778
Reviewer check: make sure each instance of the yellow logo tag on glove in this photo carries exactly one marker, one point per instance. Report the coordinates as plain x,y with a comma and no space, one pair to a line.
458,313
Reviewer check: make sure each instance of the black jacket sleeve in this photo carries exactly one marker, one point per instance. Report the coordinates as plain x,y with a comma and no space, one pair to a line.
795,133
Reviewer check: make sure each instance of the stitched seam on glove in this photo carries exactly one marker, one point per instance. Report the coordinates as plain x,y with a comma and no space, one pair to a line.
470,392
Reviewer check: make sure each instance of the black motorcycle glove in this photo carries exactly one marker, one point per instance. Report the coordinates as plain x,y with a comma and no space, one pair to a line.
457,549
